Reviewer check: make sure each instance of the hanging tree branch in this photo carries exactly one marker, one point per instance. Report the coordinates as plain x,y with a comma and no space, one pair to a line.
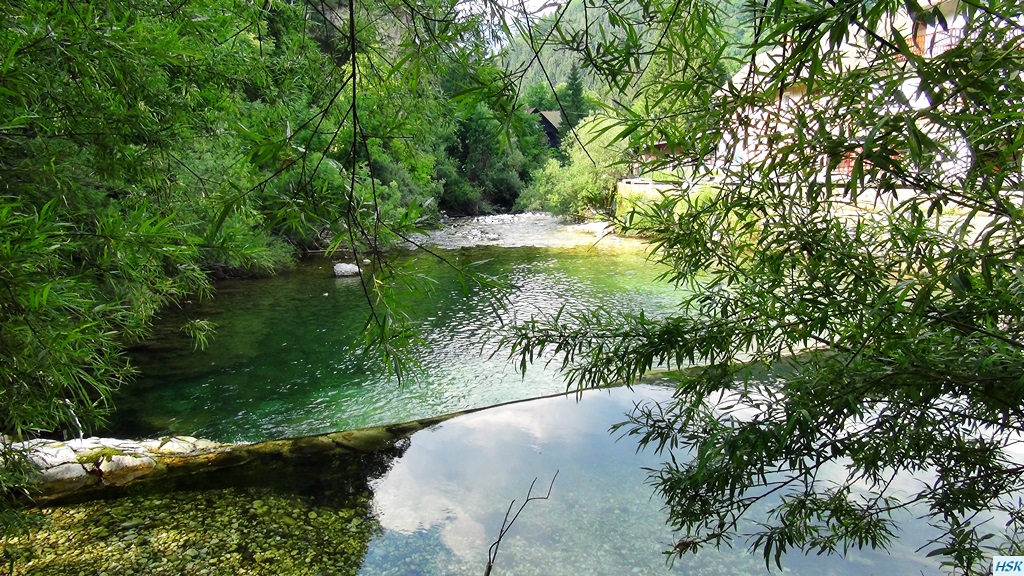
506,524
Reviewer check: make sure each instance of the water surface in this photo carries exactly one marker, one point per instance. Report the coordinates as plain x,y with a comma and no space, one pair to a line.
431,507
283,362
442,504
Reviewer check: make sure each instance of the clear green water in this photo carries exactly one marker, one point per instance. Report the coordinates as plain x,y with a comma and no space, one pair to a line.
283,364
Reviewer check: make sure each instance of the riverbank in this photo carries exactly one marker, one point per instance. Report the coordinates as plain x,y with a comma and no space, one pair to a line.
536,229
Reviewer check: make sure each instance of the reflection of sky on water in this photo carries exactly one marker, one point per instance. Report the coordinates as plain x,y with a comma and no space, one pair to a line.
902,487
441,505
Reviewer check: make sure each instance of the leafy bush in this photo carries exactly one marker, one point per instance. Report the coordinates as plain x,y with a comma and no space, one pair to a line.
585,184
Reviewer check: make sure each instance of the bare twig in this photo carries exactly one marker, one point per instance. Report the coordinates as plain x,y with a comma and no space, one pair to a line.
506,524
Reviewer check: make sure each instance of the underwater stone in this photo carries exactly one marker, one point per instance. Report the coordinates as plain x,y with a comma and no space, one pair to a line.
366,440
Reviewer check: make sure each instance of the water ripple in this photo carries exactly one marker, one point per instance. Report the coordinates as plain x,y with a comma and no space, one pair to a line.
285,362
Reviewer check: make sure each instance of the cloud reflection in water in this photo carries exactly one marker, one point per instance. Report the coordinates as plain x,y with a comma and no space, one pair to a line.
442,503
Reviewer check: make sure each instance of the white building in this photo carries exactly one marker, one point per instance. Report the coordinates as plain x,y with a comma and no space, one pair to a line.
762,126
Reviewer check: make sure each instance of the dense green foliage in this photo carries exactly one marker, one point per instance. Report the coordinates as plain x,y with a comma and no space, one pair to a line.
654,87
533,56
485,173
574,105
583,185
583,35
540,96
886,304
148,146
108,121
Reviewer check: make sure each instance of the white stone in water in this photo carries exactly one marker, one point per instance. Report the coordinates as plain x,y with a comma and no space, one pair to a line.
35,442
67,471
175,445
345,269
65,478
85,444
201,444
129,446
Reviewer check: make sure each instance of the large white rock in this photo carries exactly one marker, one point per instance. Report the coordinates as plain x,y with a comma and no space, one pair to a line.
206,445
85,444
50,455
65,478
345,269
173,445
120,470
65,467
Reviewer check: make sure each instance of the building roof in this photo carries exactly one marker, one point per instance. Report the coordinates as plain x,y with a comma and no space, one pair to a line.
552,116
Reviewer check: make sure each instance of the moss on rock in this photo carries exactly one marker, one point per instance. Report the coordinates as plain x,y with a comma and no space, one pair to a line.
99,454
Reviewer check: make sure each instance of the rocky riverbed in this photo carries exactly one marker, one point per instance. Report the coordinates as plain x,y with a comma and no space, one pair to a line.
529,229
283,507
293,506
236,531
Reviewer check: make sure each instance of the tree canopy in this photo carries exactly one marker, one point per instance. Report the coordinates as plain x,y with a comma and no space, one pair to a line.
148,147
844,333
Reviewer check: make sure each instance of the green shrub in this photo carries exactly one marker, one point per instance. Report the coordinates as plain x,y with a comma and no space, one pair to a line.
585,184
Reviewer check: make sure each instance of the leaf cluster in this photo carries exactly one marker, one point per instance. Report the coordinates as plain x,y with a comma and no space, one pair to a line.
147,148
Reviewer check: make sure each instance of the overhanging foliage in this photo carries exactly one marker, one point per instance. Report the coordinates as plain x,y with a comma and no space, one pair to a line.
902,272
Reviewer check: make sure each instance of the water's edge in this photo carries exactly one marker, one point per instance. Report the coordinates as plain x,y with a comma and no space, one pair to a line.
84,469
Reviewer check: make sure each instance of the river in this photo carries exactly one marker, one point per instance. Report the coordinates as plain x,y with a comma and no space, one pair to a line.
285,359
284,364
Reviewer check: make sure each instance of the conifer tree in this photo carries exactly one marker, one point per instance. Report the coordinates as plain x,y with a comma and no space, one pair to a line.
574,104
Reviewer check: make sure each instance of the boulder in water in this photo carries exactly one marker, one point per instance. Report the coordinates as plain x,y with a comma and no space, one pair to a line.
345,269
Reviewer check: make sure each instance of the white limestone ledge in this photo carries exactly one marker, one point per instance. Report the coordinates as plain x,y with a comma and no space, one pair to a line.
65,467
89,467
